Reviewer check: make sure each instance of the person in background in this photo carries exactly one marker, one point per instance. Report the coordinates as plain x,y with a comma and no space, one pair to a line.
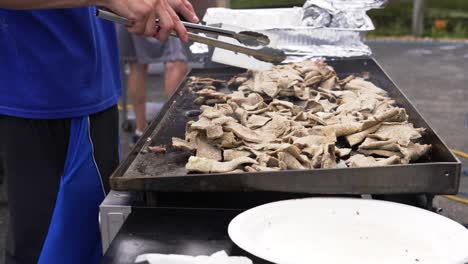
59,87
138,52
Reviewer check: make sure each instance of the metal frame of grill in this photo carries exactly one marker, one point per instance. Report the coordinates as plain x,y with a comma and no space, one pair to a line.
438,173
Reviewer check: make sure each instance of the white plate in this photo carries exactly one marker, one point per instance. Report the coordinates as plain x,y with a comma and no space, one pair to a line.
351,231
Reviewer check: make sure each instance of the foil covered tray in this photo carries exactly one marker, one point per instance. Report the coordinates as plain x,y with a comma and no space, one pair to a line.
321,28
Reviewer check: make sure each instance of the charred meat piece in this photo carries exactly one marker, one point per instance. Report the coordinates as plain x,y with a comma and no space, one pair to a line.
204,165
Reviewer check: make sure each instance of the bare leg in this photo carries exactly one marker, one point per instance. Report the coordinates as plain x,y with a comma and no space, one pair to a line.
137,93
175,72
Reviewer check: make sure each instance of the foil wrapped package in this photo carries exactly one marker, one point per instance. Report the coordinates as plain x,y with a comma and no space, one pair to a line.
321,28
349,14
317,42
255,19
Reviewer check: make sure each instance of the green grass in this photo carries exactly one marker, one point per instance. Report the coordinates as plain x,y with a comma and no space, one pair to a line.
395,19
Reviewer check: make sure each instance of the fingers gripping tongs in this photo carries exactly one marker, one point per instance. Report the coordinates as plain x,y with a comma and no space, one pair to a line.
247,38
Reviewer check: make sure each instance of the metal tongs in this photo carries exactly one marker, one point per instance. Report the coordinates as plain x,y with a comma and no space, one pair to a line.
247,38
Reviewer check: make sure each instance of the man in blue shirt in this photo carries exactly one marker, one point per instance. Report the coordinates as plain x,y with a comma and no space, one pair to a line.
59,86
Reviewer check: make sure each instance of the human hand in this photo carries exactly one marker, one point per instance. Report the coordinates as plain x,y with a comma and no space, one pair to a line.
176,7
144,14
185,8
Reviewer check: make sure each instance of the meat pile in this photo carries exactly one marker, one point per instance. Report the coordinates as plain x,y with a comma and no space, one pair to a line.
295,117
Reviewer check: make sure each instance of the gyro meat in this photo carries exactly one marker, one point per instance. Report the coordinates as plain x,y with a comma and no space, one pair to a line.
295,117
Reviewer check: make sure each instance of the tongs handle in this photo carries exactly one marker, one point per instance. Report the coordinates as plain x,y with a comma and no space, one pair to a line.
107,15
189,26
265,54
209,30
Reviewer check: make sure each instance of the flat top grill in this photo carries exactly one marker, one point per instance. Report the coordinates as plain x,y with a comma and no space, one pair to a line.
438,173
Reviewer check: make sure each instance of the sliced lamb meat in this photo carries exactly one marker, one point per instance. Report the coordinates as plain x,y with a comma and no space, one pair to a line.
259,168
219,110
414,151
288,77
253,102
267,160
201,124
228,140
343,129
222,120
372,143
312,79
402,116
289,161
280,104
204,165
404,133
380,152
209,93
214,131
380,117
277,127
243,132
371,125
314,140
357,138
207,150
323,156
182,144
240,79
329,83
362,86
241,114
232,154
302,92
329,157
248,86
316,119
256,121
304,67
327,105
313,106
266,82
346,80
363,161
342,118
290,117
250,169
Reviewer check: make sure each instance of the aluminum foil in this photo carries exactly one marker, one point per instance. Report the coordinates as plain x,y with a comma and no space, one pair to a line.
321,28
343,14
199,48
255,19
317,42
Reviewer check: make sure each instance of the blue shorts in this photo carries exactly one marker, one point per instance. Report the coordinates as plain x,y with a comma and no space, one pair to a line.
57,173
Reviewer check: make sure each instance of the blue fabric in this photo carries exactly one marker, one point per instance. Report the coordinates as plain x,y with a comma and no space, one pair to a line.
58,63
73,235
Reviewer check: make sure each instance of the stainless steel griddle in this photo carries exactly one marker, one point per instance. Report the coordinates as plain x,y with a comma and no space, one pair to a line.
437,173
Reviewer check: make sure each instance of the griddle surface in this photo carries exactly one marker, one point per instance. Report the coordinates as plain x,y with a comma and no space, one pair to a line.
438,172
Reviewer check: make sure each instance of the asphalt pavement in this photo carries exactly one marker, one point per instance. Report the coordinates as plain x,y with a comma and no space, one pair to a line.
433,75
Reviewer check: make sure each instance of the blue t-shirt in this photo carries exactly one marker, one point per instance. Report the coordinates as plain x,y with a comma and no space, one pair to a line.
58,63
